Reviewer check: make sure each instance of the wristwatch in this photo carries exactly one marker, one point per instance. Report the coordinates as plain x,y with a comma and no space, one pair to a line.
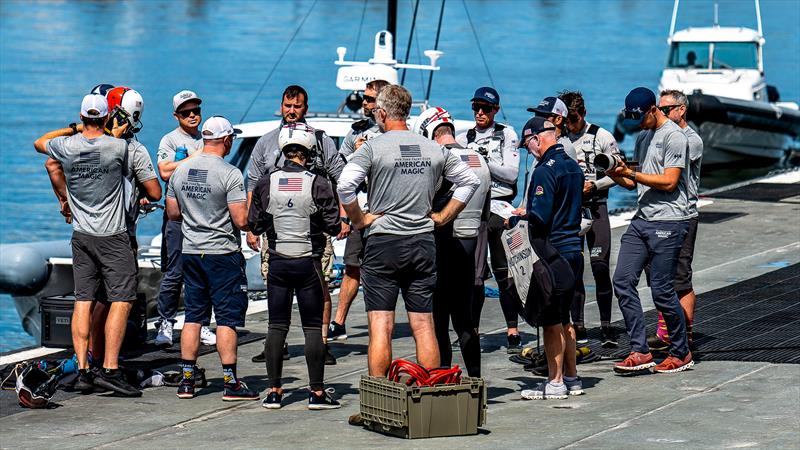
74,127
346,220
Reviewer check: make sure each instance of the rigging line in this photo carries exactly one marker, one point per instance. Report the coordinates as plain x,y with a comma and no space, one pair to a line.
435,47
410,39
480,50
275,66
419,60
360,27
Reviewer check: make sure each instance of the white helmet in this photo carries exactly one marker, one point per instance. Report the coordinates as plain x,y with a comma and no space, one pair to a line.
430,119
133,104
130,101
297,133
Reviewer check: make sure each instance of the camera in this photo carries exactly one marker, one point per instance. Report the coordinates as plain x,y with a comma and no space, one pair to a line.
605,162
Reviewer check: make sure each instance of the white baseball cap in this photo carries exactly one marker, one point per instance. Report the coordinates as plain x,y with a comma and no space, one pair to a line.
551,105
218,127
183,97
94,106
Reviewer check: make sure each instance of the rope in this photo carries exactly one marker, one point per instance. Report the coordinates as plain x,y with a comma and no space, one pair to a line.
409,373
410,39
480,50
275,66
435,47
360,26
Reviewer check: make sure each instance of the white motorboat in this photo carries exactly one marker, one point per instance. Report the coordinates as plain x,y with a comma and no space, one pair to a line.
738,115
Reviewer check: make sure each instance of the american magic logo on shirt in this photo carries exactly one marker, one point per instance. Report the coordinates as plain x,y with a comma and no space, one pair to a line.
195,185
411,161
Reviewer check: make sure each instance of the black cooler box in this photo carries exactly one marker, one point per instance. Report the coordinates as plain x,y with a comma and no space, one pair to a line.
57,321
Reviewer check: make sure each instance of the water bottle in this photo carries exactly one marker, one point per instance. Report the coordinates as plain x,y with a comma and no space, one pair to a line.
181,153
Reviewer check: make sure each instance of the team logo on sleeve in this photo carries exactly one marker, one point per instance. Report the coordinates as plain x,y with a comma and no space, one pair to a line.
471,160
411,161
290,185
539,190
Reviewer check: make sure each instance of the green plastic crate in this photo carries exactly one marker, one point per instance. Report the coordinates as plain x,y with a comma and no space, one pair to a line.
420,412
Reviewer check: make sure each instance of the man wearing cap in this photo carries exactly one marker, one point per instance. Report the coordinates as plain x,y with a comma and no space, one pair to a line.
176,147
498,145
590,140
554,110
656,232
553,212
362,131
94,165
404,169
207,195
325,161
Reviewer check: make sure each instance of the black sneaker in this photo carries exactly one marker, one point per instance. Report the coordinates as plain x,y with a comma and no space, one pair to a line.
262,357
580,334
656,344
186,389
336,332
117,383
273,400
608,337
330,360
238,392
514,344
323,400
85,382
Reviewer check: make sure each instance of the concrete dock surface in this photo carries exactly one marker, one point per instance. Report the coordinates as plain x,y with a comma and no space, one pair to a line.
716,404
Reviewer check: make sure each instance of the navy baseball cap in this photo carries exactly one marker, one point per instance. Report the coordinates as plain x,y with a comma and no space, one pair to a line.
535,125
551,105
637,103
486,94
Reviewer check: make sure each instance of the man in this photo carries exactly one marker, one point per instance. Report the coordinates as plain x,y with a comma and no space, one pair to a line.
673,104
293,207
589,140
456,243
403,170
94,165
362,131
498,145
554,110
207,195
656,232
325,161
177,147
554,217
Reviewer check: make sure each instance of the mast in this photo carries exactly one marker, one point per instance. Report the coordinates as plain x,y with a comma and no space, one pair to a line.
391,21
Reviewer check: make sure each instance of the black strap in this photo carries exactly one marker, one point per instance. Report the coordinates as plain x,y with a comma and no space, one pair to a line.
593,129
470,135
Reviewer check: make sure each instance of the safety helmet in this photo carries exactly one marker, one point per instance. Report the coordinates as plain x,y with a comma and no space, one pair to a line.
130,102
430,119
297,134
35,387
102,89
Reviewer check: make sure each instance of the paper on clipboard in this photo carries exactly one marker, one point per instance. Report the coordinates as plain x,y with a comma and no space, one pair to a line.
502,209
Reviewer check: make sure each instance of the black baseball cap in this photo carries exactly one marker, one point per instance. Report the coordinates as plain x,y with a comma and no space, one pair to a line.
535,125
486,94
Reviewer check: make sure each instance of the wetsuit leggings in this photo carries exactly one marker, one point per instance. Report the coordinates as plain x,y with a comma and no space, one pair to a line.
301,277
598,241
508,294
452,299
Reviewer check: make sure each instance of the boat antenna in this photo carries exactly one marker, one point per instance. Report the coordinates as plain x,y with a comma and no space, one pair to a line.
674,18
410,39
435,47
480,50
360,27
758,17
391,21
275,66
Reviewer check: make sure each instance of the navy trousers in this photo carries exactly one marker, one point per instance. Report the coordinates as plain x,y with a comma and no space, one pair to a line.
170,292
656,243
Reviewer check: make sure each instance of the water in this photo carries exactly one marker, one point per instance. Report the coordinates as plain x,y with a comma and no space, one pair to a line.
51,54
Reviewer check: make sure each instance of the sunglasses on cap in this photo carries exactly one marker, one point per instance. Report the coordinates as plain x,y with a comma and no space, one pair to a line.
368,98
485,107
667,108
185,113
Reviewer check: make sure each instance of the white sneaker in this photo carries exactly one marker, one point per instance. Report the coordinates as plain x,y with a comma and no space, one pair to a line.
207,337
164,337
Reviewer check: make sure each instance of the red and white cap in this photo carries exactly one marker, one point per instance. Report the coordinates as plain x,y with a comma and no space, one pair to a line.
218,127
432,118
94,106
183,97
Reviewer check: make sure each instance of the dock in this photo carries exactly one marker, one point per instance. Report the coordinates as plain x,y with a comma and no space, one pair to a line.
744,390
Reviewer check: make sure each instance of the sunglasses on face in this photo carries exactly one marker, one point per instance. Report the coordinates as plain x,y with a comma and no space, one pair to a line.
368,99
667,108
485,107
185,113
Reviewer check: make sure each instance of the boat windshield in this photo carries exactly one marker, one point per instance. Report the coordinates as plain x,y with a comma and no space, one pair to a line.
726,55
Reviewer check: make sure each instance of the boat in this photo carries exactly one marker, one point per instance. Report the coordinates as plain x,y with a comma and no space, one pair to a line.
738,115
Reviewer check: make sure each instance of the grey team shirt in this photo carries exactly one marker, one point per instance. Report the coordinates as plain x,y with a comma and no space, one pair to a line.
140,169
266,153
403,169
176,139
94,170
695,159
349,143
203,187
657,150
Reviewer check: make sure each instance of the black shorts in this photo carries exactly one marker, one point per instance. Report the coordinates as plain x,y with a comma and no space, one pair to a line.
558,312
354,249
394,264
103,258
683,272
217,281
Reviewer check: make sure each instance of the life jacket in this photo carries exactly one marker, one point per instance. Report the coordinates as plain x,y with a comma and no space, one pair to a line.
500,190
468,221
291,205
